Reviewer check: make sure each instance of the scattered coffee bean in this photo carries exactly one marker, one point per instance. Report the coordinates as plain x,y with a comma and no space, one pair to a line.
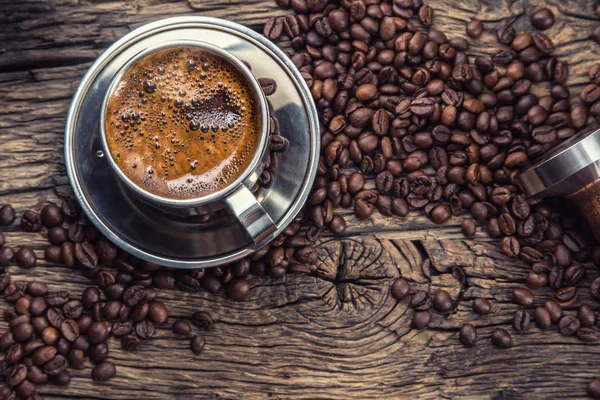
421,319
51,215
202,319
31,221
468,227
542,317
568,325
104,371
420,300
181,327
442,302
586,316
400,288
501,338
522,297
474,28
26,258
197,344
542,19
481,306
7,215
521,320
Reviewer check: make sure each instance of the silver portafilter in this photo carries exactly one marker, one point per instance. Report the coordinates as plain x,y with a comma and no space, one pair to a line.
570,170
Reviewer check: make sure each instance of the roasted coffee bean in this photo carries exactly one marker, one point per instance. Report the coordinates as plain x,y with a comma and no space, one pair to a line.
14,353
72,309
115,291
44,354
23,332
31,221
468,335
522,297
364,204
595,288
506,34
130,342
399,207
25,389
98,353
69,330
421,319
474,28
181,327
573,274
37,306
442,302
7,215
57,235
587,334
17,375
501,338
6,256
535,280
106,252
521,320
338,224
479,211
121,328
158,312
197,344
509,245
507,225
91,296
36,375
97,332
144,329
441,213
542,317
586,316
51,215
55,317
67,250
202,319
542,19
481,306
25,257
104,371
57,299
70,209
421,301
86,255
55,366
137,314
134,295
468,227
568,325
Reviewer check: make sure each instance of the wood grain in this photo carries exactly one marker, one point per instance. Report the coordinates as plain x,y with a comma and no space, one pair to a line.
338,334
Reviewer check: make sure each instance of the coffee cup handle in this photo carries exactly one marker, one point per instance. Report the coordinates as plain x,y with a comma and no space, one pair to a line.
251,214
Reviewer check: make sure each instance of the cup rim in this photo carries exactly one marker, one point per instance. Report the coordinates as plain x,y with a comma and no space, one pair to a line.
231,187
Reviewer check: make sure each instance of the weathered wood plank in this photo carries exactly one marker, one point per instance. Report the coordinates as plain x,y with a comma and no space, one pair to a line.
334,335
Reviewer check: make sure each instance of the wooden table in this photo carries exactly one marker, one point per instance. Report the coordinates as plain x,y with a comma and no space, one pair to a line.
335,335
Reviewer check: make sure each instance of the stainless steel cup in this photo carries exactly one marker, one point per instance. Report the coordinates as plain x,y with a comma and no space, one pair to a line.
237,195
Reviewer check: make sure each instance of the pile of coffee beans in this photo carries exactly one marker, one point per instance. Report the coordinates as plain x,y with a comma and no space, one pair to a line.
446,133
52,331
399,103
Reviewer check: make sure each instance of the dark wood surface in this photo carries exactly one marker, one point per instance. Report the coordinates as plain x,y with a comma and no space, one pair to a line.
338,334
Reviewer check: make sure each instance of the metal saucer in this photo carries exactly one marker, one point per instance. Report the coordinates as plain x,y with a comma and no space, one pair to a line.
143,230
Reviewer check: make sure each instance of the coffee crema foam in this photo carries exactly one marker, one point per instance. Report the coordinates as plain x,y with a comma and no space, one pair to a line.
183,123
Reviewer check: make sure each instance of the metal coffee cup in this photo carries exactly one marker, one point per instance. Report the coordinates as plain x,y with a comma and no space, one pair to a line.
236,195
